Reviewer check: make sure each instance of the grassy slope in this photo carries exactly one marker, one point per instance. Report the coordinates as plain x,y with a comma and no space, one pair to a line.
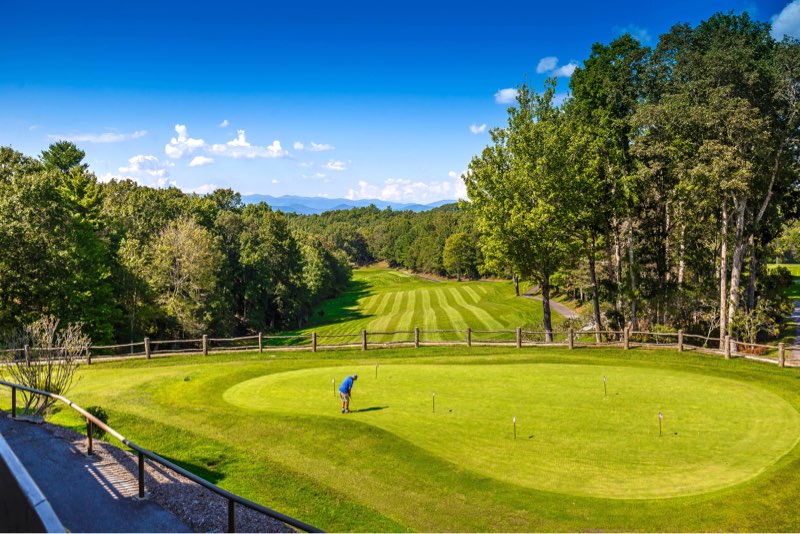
793,292
382,300
343,473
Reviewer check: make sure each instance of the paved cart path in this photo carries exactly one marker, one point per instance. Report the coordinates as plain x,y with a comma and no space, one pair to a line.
87,493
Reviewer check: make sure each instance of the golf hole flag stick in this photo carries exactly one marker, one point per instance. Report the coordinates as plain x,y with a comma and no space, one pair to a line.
433,402
515,426
333,383
376,369
605,391
660,418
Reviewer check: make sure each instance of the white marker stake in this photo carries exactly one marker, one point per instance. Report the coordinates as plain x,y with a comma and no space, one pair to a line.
333,383
433,402
515,426
605,391
376,369
660,417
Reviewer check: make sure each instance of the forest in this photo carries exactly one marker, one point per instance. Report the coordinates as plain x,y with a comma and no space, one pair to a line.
656,191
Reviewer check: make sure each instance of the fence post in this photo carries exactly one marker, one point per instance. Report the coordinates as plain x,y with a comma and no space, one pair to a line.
205,344
260,342
27,355
147,347
363,339
13,403
571,338
727,347
88,356
416,337
626,339
88,437
469,336
519,337
141,475
680,340
781,355
231,516
313,342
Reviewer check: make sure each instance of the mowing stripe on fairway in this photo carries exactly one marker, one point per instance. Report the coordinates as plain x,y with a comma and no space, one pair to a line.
487,322
472,294
455,321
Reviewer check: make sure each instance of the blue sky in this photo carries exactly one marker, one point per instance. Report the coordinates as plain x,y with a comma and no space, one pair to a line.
382,100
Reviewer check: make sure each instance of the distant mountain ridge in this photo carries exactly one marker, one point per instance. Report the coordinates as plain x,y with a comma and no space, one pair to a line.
315,205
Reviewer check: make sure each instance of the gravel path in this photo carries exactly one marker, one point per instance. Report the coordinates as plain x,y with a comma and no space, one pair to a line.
557,306
116,472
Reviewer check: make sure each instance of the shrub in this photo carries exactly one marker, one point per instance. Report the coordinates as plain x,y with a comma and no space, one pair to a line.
101,414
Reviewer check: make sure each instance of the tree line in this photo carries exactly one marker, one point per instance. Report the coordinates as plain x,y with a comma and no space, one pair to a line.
128,261
661,182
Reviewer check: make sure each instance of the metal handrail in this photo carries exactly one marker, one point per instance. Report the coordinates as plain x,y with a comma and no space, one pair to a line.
92,420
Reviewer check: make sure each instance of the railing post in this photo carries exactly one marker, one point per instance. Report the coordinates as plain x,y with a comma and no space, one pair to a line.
781,355
147,347
141,475
364,339
27,355
313,342
727,347
680,340
734,346
626,340
88,437
469,336
88,356
13,403
231,516
416,337
519,337
260,342
205,344
571,338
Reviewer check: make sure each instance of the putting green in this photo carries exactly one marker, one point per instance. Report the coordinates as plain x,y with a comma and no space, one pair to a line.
570,437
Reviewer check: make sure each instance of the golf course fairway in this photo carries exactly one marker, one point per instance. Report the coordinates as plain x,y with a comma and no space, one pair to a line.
572,435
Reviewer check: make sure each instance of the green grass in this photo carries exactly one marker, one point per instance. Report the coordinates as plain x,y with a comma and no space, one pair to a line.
268,427
794,268
386,300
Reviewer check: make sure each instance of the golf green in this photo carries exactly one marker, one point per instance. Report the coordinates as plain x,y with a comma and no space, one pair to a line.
571,436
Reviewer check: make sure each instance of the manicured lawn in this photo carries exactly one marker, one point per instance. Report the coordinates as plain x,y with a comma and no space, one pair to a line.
794,268
386,300
268,426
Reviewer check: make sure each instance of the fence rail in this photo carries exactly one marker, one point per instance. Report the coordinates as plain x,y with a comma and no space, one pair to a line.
143,453
518,337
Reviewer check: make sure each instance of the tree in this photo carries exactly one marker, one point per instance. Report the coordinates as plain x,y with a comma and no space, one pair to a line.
183,274
517,189
458,253
64,156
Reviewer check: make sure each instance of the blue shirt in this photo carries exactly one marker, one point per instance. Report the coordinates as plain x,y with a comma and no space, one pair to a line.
347,385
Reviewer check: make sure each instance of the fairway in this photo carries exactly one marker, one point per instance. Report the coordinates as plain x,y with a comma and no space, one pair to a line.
387,300
571,438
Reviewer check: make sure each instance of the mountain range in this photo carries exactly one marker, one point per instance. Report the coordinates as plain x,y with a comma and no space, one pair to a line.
312,205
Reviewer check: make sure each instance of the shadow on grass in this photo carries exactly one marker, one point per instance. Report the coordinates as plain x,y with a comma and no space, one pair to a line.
342,308
203,471
370,409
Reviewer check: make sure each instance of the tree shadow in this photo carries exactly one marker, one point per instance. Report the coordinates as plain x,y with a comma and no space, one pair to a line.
370,409
342,308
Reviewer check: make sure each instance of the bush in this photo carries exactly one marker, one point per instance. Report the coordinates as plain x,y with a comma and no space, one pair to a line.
101,414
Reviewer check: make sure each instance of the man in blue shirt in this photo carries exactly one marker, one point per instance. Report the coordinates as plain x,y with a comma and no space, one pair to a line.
345,390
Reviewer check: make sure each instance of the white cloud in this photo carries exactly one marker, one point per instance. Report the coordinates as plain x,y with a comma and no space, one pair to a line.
275,182
148,182
107,137
559,98
305,164
565,71
147,165
199,161
240,148
406,191
224,124
546,64
637,32
787,22
322,147
452,174
298,145
183,144
335,165
202,190
505,96
474,128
